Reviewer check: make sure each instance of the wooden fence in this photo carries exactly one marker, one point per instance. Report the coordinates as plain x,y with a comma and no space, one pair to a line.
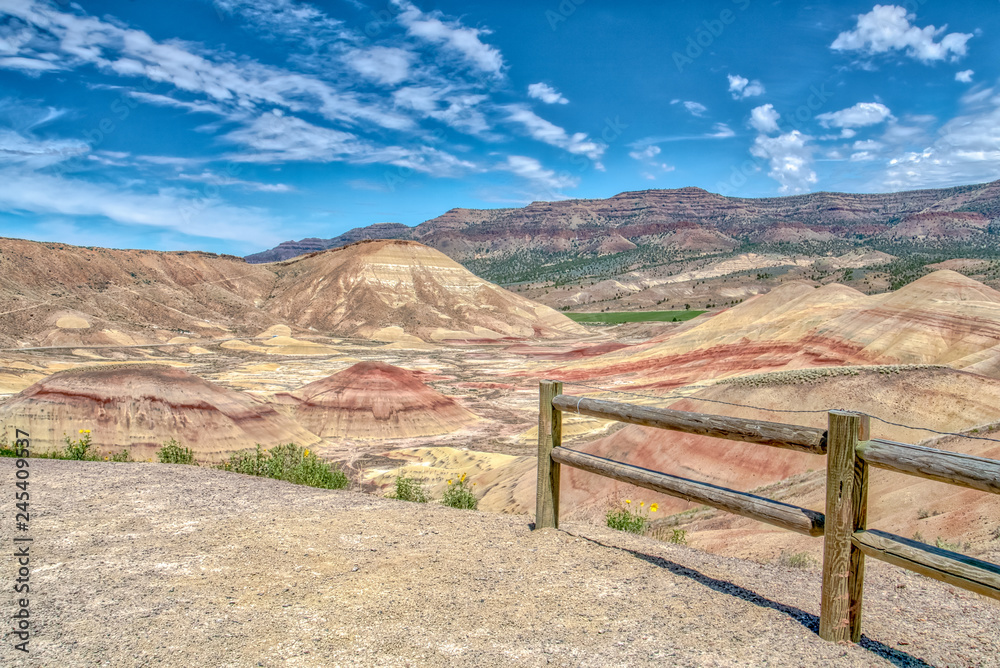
850,450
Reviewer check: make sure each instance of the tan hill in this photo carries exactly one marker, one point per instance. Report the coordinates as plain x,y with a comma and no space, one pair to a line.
373,400
942,318
59,295
370,286
140,406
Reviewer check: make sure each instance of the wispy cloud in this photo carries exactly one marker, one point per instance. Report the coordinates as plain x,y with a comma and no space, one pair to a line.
546,93
694,108
451,35
542,130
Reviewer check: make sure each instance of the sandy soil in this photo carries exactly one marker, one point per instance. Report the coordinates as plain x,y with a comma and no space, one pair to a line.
148,564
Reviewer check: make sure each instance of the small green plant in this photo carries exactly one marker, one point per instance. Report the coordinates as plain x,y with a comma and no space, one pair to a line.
942,544
123,456
923,514
5,449
409,489
80,449
173,453
678,537
917,536
459,494
797,560
287,462
625,518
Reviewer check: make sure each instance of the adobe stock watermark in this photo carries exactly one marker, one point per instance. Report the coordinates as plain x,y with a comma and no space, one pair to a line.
562,12
610,133
819,95
706,34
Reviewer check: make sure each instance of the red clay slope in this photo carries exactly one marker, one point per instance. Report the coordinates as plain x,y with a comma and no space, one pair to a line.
375,400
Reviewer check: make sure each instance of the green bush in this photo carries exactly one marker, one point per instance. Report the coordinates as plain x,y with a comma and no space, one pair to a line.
173,453
80,449
625,518
460,495
287,462
409,489
678,537
5,449
123,456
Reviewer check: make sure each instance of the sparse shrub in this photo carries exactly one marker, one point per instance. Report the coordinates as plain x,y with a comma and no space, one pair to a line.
80,449
625,518
5,449
409,489
173,453
917,536
797,560
996,533
942,544
123,456
287,462
923,514
459,494
678,537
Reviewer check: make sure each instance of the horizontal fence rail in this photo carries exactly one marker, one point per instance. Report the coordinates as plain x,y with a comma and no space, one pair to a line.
849,449
786,516
950,467
792,437
956,569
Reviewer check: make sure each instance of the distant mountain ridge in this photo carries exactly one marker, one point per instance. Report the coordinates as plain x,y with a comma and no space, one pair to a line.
688,219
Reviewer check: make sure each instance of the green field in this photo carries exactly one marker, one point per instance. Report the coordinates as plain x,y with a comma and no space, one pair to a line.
618,317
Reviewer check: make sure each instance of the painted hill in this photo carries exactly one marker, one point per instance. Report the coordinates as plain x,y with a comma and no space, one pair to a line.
369,288
140,406
942,318
373,400
60,295
694,219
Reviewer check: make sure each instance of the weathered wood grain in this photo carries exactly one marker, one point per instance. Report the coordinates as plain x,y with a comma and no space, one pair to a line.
859,507
955,569
951,467
801,520
792,437
549,437
842,440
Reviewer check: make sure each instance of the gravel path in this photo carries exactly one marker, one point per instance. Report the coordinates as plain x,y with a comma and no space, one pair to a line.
159,565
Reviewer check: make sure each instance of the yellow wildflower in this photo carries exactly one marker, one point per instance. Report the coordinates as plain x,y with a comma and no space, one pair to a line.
628,501
86,431
81,431
306,454
105,459
449,482
654,507
642,503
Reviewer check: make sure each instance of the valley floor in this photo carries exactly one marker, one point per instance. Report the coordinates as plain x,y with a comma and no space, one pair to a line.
149,564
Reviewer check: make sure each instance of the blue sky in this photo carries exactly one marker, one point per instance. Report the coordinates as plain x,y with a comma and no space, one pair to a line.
232,125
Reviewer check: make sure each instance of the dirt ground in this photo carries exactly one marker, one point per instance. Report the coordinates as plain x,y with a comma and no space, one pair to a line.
163,565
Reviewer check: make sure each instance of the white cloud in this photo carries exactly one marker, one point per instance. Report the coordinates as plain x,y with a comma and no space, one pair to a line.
274,138
966,150
385,65
694,108
888,27
167,209
860,115
452,35
215,179
741,87
546,93
764,119
649,157
462,111
721,131
867,145
790,158
33,153
544,131
965,76
533,170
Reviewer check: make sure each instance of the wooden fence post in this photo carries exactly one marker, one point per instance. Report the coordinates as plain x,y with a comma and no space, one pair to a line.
859,505
549,436
835,605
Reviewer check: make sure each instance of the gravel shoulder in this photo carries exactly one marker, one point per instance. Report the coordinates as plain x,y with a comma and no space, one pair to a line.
161,565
